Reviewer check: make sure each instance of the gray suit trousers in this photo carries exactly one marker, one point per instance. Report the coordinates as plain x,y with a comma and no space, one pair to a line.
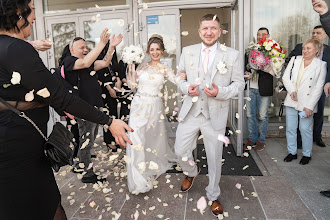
186,140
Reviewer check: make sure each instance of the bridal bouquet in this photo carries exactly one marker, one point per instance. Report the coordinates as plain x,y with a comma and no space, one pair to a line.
132,55
266,55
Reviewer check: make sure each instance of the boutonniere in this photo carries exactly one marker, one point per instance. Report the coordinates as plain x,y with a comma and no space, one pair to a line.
222,67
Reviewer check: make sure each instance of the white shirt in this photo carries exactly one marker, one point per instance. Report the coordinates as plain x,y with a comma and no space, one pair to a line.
213,50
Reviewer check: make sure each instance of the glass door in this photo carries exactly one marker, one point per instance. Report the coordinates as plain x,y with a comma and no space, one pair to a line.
167,24
116,23
237,108
61,31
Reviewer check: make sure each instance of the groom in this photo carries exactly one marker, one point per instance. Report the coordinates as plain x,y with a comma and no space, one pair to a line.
214,75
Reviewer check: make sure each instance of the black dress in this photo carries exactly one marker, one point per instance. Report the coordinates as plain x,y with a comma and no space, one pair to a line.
27,185
108,76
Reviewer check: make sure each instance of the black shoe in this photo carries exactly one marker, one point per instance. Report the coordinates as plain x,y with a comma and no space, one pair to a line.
93,179
113,149
299,144
326,193
305,160
320,143
290,157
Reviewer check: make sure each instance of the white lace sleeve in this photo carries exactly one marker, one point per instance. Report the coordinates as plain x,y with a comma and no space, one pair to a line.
169,75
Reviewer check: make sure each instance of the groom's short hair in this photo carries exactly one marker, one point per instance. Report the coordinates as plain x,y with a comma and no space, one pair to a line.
209,17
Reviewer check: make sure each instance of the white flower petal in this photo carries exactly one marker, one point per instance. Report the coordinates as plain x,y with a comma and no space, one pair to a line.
29,96
15,78
245,167
224,139
121,22
153,166
184,159
194,99
184,33
43,93
201,204
198,81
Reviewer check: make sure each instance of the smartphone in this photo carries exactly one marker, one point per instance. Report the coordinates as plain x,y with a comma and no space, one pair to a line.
302,114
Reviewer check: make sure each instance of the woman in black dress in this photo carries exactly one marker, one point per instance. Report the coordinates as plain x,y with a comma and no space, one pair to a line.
114,93
27,185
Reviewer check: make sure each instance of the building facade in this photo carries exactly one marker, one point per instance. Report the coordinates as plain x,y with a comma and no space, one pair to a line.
289,22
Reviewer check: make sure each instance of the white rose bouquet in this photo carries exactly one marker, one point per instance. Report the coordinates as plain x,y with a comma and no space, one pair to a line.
132,55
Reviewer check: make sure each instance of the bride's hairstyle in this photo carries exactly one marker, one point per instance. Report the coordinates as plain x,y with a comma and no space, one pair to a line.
156,39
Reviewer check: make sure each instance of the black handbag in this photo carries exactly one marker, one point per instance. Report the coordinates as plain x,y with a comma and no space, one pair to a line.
280,91
59,145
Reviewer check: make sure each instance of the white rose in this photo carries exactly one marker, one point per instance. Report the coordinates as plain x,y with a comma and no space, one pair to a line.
268,47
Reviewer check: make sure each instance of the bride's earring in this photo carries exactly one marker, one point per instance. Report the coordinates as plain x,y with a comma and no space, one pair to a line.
20,17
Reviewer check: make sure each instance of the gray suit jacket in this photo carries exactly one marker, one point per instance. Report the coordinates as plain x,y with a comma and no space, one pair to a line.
230,83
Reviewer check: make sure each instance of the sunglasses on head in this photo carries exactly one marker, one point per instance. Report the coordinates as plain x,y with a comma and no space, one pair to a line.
76,39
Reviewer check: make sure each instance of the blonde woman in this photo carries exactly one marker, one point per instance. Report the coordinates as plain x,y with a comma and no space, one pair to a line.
304,80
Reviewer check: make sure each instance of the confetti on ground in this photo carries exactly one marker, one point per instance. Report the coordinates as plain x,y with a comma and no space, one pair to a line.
238,186
245,167
201,204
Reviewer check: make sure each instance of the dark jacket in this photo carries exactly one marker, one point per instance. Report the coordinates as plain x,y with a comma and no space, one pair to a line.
325,21
265,80
325,57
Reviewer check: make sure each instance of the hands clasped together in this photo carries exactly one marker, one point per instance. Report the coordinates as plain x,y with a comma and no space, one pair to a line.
193,90
294,98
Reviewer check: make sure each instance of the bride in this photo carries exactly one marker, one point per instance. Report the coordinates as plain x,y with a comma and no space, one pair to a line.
150,155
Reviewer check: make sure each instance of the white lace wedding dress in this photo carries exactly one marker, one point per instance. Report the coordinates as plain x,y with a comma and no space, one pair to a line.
150,155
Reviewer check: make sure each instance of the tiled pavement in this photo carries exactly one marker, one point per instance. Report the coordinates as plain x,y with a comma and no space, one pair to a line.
286,191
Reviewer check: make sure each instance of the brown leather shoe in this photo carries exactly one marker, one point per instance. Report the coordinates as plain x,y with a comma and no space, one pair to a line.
216,208
188,182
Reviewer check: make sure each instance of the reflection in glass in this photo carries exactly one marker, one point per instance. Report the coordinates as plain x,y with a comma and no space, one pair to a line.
290,22
93,30
164,25
72,5
62,35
